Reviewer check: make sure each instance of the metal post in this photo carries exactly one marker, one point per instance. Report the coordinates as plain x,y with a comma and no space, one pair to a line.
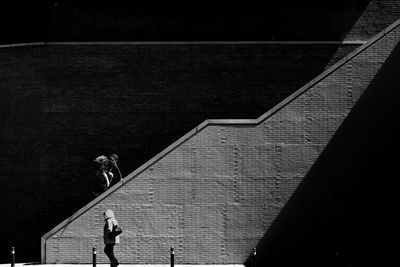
94,251
172,256
12,256
254,257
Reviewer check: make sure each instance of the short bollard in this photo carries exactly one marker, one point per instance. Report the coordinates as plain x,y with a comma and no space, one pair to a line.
94,256
254,257
172,257
12,257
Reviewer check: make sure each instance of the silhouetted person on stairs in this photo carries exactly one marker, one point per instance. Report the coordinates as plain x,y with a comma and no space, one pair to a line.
106,172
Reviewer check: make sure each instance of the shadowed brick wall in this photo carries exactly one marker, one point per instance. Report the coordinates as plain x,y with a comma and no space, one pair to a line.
49,21
19,150
216,192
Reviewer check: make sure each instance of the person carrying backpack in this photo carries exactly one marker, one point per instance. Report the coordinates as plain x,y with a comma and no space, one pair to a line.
110,239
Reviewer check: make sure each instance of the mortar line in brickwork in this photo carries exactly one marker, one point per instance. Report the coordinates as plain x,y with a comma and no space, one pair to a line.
222,134
294,42
224,224
349,89
151,190
236,158
308,119
265,223
279,161
181,222
193,152
207,123
98,238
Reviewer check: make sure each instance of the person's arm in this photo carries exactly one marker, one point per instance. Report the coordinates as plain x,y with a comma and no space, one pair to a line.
108,228
105,175
115,166
119,172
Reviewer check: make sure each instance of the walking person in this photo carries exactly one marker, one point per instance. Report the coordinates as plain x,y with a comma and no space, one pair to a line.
109,239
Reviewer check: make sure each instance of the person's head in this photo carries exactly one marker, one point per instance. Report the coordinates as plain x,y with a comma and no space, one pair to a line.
100,163
108,214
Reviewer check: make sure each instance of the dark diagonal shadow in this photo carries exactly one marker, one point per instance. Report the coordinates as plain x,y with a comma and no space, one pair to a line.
342,213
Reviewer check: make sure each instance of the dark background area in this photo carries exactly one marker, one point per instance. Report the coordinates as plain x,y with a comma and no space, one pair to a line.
38,21
65,105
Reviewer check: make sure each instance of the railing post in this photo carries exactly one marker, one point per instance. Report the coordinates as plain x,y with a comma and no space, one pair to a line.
12,256
254,257
172,252
94,252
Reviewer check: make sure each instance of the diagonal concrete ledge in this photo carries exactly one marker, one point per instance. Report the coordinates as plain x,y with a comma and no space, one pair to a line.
207,123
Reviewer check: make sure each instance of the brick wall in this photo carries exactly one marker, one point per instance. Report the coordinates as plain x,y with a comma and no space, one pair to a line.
124,21
219,190
66,104
382,12
115,98
159,93
19,150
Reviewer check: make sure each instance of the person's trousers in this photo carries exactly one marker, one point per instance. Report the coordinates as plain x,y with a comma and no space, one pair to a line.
109,251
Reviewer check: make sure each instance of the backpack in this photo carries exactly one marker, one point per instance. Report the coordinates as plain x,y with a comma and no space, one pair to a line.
117,230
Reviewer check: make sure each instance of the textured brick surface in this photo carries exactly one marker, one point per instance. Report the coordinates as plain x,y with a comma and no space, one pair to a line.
215,195
383,13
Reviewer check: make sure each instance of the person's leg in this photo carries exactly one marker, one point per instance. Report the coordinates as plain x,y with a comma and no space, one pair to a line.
116,263
109,251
